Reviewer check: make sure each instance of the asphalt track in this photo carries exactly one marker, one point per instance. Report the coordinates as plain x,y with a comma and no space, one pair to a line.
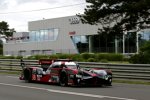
11,88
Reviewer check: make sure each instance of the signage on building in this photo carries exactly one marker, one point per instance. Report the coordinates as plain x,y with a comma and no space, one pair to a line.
74,20
72,33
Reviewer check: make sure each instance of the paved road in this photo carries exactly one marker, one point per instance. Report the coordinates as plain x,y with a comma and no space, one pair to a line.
11,88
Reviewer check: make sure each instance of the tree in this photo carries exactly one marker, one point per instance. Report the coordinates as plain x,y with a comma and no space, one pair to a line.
117,16
4,29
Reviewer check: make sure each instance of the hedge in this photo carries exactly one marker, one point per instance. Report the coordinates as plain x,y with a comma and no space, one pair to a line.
84,57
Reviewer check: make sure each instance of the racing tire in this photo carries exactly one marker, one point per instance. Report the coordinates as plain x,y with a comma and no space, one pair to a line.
63,79
27,75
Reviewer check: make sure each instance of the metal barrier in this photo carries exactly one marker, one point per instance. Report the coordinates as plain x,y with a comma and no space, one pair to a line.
123,71
120,71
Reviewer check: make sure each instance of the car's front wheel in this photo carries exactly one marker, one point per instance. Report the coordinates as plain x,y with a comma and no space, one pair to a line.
109,82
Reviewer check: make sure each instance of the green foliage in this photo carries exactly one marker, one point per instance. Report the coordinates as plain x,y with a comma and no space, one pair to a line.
146,48
53,57
91,60
135,59
104,60
64,56
87,55
140,59
4,29
38,57
110,56
116,15
31,57
84,57
7,57
18,57
77,57
144,56
41,56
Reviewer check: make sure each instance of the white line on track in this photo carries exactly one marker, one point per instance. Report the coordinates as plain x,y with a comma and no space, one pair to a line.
67,92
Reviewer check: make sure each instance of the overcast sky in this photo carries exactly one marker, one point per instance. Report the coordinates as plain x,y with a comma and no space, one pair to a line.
13,11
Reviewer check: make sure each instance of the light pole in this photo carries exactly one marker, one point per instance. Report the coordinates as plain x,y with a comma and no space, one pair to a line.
123,42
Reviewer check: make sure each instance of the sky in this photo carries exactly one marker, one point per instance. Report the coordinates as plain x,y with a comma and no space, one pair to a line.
17,13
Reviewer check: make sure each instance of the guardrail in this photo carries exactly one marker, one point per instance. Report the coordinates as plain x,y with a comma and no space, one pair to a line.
120,71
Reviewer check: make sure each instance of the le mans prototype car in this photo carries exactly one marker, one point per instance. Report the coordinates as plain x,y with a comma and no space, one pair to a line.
66,72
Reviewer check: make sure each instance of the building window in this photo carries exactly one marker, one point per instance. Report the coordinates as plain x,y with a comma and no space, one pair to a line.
144,37
22,53
44,35
35,52
81,43
47,52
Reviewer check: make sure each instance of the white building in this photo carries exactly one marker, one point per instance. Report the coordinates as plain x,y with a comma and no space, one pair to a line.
51,36
68,35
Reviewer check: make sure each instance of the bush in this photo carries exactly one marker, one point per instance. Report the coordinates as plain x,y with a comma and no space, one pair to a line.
31,57
91,60
104,61
140,59
18,57
41,57
7,57
86,56
37,57
64,56
90,57
144,56
53,57
110,56
134,59
77,57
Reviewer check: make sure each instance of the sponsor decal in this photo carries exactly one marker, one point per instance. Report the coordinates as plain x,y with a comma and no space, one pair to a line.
33,77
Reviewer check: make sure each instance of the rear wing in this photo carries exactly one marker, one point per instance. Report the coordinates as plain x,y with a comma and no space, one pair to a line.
63,60
45,63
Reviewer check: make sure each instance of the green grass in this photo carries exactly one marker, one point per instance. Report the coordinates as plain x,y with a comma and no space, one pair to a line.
132,82
10,72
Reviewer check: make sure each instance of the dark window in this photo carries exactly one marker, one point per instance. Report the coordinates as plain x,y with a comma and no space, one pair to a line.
86,74
55,66
39,71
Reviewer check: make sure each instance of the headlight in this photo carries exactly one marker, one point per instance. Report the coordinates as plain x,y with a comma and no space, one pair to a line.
107,77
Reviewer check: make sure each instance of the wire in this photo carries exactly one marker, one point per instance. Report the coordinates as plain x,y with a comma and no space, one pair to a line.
44,9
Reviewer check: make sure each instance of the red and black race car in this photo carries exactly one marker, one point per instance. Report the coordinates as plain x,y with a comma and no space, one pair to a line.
66,72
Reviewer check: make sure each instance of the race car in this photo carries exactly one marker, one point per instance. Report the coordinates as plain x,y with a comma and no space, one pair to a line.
66,72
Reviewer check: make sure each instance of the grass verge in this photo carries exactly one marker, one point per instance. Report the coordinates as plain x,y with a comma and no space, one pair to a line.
10,72
132,81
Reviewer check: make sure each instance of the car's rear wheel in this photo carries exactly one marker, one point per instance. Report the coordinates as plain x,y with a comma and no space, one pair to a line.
63,79
27,75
